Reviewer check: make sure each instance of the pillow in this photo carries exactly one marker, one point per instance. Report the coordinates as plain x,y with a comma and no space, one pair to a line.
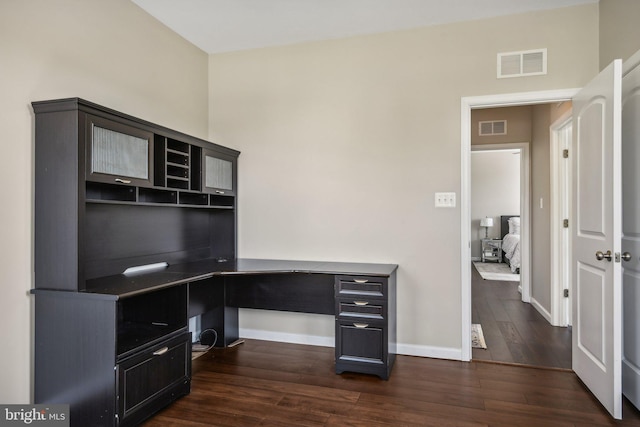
514,225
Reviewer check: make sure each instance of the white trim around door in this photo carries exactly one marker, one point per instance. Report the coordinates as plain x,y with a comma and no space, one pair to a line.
560,205
467,104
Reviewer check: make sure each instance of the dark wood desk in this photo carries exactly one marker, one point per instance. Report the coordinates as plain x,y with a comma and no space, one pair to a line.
217,289
80,336
114,192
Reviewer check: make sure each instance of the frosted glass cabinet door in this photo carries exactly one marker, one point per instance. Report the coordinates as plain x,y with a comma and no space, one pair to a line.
117,153
219,173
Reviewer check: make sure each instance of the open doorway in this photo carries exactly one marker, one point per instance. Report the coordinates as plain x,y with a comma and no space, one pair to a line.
523,331
499,188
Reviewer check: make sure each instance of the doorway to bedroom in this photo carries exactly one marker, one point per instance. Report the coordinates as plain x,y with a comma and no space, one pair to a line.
510,201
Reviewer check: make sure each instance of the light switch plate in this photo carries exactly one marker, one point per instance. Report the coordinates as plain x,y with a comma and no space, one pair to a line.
445,200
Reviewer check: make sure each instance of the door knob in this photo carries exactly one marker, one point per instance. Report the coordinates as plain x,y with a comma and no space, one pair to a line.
600,256
626,256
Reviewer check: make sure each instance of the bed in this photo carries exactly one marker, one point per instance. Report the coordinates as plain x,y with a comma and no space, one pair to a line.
510,233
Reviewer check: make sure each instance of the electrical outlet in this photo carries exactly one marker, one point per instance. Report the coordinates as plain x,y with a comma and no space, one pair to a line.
445,200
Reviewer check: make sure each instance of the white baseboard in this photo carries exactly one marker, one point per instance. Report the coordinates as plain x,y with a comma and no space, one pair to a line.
541,310
404,349
429,351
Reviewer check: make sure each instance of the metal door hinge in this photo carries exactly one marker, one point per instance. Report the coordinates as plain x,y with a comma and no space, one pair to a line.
566,293
565,153
565,223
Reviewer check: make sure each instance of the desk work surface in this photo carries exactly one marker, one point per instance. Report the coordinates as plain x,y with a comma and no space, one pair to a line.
126,285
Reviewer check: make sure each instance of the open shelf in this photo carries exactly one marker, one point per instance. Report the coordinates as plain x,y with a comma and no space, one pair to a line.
193,199
111,192
148,317
151,195
227,202
179,159
98,192
177,164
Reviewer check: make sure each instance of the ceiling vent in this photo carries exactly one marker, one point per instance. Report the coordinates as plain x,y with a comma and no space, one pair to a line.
523,63
496,127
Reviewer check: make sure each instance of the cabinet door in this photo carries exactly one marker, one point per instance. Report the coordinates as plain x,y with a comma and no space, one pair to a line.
218,173
152,378
118,153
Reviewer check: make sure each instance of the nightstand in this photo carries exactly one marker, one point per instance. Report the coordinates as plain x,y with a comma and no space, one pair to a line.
491,250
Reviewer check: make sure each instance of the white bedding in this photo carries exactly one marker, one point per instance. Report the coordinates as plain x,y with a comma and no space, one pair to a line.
511,248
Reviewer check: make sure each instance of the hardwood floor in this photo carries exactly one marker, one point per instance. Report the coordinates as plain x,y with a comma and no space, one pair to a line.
262,383
514,331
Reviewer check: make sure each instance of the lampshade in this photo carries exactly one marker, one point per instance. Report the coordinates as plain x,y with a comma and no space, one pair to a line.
486,222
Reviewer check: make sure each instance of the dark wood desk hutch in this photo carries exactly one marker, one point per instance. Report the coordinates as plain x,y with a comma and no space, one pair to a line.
135,232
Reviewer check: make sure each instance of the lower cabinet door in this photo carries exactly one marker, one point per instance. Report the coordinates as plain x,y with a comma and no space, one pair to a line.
152,378
360,342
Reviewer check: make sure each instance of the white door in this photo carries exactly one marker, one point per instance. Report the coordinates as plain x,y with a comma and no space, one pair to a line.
596,238
631,228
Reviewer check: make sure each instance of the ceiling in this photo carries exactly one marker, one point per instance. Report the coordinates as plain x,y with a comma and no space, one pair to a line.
228,25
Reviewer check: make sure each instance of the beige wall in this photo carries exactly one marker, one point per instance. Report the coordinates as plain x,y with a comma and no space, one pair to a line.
540,214
619,30
518,124
109,52
345,143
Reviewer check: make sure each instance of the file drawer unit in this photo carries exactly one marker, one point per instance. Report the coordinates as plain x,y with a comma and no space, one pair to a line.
365,324
153,378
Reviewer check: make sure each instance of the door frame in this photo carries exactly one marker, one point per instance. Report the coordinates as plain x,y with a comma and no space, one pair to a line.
560,210
466,105
630,368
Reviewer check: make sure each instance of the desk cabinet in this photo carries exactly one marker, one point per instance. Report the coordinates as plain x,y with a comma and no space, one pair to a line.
89,354
113,192
117,152
218,172
365,336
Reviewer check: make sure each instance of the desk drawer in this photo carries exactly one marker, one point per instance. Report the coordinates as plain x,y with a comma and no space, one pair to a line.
152,378
361,343
354,308
360,285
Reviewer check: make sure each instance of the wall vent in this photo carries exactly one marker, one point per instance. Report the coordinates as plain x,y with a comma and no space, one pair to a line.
495,127
523,63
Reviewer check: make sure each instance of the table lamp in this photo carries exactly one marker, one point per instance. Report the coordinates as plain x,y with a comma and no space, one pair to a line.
486,223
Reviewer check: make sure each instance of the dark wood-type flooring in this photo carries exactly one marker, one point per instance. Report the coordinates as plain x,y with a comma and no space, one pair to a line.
262,383
514,331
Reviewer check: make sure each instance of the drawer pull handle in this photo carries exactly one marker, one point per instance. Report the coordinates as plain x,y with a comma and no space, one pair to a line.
361,325
361,302
360,280
123,181
160,352
219,192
